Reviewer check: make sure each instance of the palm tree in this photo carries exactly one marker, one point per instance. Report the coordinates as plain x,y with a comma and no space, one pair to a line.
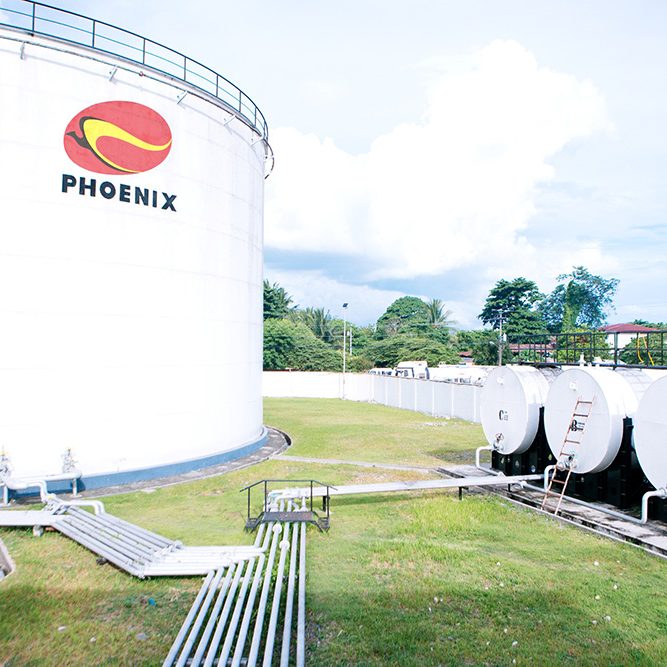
277,302
318,320
322,324
437,317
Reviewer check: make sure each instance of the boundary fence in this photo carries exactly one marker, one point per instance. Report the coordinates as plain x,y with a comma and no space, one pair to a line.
438,399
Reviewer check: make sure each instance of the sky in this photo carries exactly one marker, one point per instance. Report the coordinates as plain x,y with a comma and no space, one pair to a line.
432,148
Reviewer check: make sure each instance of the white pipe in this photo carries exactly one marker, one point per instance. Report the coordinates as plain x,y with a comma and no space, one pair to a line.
277,594
117,541
225,595
112,555
658,493
547,470
478,451
261,610
175,647
301,614
93,522
200,619
231,631
97,505
233,624
23,483
289,602
243,632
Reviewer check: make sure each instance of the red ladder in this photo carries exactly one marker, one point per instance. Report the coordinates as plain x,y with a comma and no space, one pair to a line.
566,460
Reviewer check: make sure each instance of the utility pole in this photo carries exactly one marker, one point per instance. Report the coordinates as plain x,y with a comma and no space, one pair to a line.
344,343
501,314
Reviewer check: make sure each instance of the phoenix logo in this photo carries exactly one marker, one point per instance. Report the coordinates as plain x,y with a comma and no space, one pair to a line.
117,138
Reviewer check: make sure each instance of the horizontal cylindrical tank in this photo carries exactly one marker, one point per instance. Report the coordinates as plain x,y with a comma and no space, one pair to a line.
131,234
510,405
639,379
650,433
613,399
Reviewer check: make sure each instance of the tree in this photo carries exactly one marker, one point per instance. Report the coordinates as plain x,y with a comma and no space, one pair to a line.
483,343
276,301
661,326
516,301
318,320
289,344
406,315
389,351
437,317
580,301
322,322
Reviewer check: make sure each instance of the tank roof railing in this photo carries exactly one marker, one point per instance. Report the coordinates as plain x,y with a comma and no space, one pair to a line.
40,19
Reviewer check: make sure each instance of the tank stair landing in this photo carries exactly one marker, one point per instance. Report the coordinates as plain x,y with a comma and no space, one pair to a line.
300,508
306,516
651,537
253,612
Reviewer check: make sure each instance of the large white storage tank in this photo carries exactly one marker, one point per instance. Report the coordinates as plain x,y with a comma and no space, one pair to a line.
613,399
650,433
510,405
131,242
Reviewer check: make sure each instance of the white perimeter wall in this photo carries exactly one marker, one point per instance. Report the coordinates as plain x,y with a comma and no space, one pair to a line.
131,334
439,399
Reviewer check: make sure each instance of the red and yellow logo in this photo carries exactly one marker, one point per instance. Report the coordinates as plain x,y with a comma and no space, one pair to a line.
117,138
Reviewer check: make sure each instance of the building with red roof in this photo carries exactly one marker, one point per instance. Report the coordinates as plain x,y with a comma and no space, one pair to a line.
622,334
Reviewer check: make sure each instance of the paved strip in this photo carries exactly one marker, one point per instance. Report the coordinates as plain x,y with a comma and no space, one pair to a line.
362,464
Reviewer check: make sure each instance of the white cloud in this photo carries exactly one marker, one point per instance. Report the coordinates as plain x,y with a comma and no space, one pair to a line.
366,304
314,289
452,190
322,92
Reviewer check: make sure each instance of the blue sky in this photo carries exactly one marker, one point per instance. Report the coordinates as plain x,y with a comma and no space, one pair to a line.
434,147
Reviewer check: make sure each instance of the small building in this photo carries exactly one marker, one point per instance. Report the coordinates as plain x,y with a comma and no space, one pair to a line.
465,357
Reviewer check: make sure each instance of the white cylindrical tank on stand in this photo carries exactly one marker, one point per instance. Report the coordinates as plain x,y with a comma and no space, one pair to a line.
613,400
639,379
510,405
650,433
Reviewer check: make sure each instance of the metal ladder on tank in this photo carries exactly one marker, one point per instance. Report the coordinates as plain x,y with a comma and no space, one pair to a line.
566,461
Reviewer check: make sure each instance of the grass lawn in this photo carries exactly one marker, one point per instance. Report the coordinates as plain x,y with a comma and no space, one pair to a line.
330,428
420,579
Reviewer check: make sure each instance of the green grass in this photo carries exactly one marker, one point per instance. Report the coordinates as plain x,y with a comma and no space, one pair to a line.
400,579
330,428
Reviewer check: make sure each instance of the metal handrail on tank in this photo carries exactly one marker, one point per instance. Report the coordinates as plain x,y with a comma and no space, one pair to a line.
40,19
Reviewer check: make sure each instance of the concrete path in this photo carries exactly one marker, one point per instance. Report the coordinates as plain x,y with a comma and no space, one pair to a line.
362,464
